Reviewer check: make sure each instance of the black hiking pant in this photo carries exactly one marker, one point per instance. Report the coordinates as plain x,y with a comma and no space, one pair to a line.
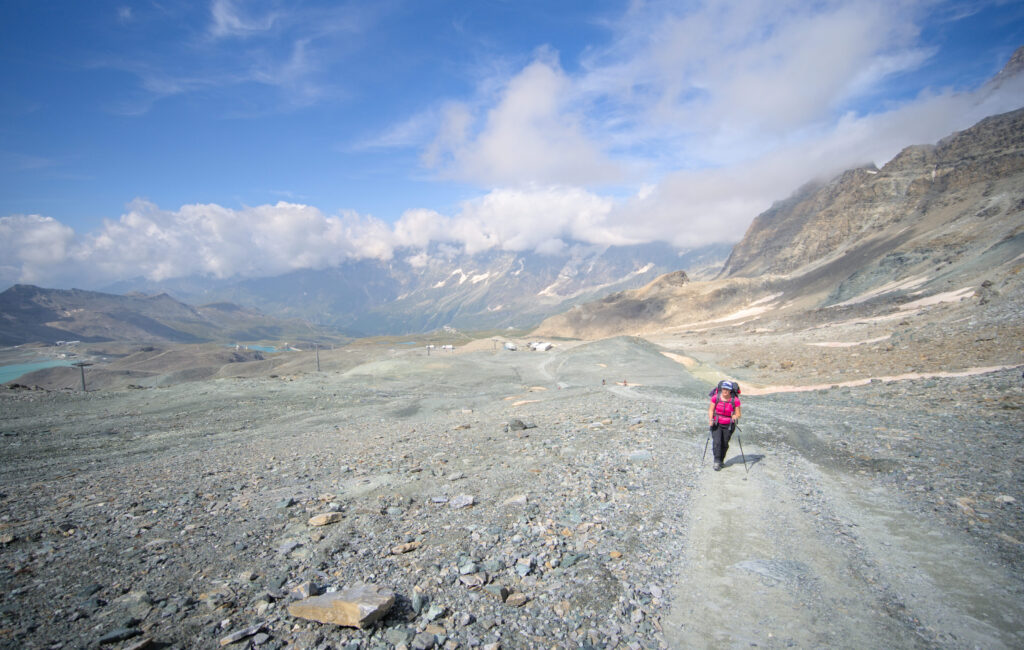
720,436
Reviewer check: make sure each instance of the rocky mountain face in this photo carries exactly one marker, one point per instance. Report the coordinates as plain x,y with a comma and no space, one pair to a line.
936,218
976,169
420,291
33,314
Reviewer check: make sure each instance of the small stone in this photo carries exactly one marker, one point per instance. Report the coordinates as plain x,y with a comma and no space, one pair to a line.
418,600
474,580
1005,498
306,589
461,501
562,608
397,636
405,548
424,641
241,634
136,603
435,612
517,500
85,592
326,518
517,599
500,592
358,606
615,555
523,566
120,634
494,565
436,629
288,547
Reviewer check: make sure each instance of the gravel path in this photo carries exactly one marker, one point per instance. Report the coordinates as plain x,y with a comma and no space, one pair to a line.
178,516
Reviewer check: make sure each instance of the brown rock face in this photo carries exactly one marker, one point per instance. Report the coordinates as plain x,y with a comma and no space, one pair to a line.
917,186
359,606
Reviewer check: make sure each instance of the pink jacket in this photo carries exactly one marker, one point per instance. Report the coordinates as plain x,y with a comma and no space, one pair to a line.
724,409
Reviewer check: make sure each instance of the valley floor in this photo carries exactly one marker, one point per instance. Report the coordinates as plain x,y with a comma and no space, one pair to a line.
883,514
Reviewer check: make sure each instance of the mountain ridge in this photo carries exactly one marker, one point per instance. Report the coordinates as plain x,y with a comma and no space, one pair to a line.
935,218
420,292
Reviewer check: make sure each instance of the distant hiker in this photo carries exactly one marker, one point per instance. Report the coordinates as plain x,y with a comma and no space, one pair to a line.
723,413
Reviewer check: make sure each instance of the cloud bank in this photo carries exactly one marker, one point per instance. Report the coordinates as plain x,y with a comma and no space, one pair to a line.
212,240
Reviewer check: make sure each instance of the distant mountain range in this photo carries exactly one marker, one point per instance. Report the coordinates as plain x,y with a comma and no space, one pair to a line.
493,289
31,314
364,298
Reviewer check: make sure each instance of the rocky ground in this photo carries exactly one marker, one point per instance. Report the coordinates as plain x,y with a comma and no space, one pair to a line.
179,516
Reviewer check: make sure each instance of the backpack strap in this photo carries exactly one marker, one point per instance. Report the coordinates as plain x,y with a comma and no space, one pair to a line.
715,399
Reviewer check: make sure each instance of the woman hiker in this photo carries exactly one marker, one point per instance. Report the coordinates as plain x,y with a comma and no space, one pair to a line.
723,413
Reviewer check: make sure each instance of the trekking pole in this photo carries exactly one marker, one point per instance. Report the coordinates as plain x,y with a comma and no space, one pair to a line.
744,456
706,441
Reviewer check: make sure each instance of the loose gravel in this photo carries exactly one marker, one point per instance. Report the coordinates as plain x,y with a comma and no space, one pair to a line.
508,499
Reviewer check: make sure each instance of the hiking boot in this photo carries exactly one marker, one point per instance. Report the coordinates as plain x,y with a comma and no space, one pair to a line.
718,465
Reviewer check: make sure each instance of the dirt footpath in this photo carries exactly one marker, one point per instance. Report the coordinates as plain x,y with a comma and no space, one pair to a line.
784,554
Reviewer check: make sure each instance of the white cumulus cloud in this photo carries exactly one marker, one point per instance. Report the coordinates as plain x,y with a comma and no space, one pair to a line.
32,247
531,135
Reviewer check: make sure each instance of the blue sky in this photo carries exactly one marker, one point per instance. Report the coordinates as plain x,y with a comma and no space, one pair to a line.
226,137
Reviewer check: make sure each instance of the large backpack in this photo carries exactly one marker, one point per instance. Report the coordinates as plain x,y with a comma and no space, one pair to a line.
735,388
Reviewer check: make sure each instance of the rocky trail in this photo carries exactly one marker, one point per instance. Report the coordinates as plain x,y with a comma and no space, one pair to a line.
786,555
510,500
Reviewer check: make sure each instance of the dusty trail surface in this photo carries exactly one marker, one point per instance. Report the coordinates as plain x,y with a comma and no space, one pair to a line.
787,555
179,514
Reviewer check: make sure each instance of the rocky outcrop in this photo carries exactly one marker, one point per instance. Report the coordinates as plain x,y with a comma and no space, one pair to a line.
823,220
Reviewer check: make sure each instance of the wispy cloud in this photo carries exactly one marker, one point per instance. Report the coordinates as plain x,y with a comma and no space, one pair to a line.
227,20
125,15
17,162
296,53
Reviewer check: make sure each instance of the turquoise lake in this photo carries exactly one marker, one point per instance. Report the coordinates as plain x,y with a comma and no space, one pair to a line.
12,372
